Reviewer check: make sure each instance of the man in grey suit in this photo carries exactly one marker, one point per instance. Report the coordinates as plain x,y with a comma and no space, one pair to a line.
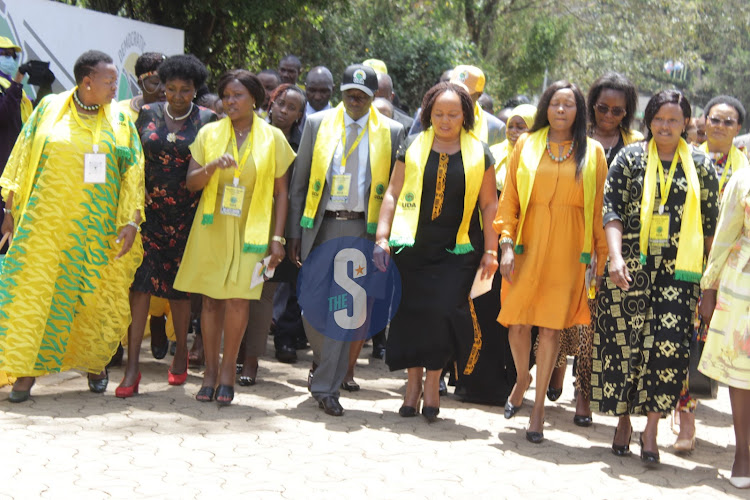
341,215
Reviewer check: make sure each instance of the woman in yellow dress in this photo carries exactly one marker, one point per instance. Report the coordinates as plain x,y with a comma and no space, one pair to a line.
74,185
240,162
725,305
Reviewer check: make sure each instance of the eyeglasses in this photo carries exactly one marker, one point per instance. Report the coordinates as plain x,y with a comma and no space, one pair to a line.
727,122
616,111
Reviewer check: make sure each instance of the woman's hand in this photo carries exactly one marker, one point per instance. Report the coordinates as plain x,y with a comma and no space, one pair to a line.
618,272
488,265
277,254
126,237
224,161
7,227
381,255
507,262
707,305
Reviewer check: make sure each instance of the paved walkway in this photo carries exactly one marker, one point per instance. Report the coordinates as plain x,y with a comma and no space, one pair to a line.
274,442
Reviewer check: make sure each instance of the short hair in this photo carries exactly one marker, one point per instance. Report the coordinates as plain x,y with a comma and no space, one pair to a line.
579,125
516,101
207,100
385,102
183,67
292,59
613,81
282,89
467,105
660,99
148,62
86,63
729,101
247,79
320,71
272,72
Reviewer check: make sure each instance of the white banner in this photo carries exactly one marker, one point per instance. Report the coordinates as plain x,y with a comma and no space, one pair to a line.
59,33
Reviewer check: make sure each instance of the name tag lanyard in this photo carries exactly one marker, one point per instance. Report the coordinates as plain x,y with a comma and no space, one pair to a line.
241,164
97,132
723,180
664,187
354,146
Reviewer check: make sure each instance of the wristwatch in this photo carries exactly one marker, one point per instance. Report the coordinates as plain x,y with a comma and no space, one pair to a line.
280,239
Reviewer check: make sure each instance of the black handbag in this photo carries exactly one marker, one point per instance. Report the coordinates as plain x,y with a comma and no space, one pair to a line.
700,385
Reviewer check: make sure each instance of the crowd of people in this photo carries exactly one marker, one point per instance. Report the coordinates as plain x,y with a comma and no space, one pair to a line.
619,249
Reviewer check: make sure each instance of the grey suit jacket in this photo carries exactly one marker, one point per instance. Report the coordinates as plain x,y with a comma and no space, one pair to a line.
301,179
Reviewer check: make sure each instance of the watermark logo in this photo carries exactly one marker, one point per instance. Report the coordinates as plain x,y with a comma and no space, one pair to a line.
341,292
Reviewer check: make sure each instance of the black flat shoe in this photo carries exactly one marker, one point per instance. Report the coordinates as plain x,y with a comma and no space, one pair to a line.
431,413
649,458
350,386
98,386
20,396
407,411
443,390
583,420
205,394
534,437
621,450
554,394
246,381
224,395
511,409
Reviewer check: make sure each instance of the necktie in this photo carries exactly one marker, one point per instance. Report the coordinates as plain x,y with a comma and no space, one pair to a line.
352,166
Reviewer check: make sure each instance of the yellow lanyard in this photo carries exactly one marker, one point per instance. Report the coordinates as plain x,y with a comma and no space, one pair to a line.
97,132
354,146
241,164
727,168
664,186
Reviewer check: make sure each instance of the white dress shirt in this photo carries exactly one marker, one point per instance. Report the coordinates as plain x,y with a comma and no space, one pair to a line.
363,150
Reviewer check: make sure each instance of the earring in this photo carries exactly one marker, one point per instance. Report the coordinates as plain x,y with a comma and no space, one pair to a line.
88,87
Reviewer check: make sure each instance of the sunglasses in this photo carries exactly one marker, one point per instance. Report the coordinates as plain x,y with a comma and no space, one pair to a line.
727,122
604,109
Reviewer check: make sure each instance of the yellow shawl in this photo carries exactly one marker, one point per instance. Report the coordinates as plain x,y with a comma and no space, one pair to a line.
735,161
326,142
533,150
500,153
480,124
406,218
689,264
258,224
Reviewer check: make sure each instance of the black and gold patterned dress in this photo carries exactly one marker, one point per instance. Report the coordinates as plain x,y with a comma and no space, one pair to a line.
642,336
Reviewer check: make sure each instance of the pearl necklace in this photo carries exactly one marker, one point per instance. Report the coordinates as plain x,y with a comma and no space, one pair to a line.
93,107
178,118
565,157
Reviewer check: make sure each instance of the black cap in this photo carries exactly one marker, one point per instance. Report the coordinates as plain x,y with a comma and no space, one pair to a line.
360,77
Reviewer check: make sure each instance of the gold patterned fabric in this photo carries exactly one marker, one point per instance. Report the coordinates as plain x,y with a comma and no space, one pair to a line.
437,204
642,336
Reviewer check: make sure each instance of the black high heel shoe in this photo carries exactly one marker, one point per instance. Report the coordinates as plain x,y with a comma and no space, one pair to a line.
554,394
621,450
510,409
98,385
431,413
224,395
205,394
649,458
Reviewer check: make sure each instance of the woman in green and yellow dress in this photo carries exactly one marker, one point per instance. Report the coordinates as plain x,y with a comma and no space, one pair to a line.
74,185
240,163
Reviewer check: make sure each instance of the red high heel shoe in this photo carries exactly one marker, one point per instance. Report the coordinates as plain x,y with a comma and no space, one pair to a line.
129,391
177,379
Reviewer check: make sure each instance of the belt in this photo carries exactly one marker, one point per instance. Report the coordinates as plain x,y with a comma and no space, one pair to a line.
343,215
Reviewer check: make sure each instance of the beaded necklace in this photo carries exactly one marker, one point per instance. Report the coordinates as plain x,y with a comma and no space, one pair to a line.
565,156
93,107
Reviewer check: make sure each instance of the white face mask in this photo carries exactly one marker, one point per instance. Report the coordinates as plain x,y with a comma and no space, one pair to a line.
8,65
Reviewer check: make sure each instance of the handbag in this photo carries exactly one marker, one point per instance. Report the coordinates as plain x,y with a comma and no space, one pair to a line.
700,386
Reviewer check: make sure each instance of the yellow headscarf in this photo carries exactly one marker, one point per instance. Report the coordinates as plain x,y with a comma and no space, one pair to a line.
500,152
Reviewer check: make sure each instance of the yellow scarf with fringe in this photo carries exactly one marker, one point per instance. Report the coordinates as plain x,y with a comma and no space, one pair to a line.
533,150
258,224
735,161
689,264
406,218
326,142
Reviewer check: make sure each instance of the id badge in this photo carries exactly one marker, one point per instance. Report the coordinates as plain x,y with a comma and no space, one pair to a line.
94,168
340,188
659,233
231,202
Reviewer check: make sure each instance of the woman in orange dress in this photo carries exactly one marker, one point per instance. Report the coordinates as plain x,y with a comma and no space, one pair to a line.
550,216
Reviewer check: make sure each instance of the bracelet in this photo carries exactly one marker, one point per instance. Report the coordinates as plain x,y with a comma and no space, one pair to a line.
280,239
491,252
382,240
136,226
205,169
507,240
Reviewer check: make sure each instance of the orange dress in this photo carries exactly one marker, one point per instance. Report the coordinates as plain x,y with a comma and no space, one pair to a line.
548,288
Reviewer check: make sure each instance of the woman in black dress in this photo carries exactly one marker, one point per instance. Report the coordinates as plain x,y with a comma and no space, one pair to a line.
166,131
660,210
429,214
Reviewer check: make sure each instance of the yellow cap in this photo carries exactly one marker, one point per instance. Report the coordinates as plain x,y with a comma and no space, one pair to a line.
470,77
7,43
376,64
